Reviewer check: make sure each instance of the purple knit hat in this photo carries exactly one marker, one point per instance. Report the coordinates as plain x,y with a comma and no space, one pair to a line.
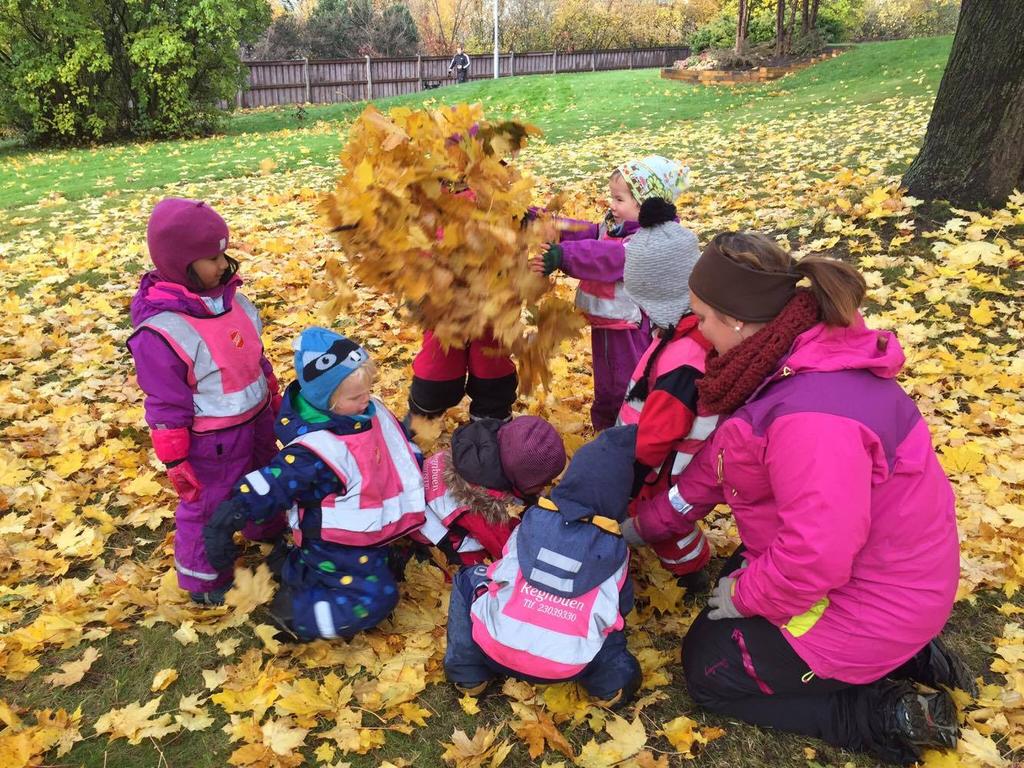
181,231
532,453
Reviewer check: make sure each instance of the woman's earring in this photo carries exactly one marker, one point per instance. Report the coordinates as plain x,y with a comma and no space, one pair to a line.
737,329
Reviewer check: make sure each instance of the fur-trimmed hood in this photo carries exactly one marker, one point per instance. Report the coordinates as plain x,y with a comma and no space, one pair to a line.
494,506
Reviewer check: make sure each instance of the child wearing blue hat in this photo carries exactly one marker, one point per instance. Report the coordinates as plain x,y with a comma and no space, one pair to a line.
351,479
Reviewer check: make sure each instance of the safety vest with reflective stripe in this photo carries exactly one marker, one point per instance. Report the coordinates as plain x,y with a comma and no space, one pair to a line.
223,354
606,305
535,632
684,350
442,509
383,496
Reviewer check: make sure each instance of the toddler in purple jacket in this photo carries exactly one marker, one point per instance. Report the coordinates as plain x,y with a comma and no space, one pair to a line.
211,394
595,254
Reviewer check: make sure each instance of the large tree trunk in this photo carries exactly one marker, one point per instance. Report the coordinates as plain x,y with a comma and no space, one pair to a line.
805,18
742,25
973,151
814,13
780,26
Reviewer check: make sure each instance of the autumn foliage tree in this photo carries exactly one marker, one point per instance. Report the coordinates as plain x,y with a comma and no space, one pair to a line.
973,151
74,70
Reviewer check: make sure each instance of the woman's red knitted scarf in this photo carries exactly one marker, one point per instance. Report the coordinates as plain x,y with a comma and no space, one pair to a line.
732,378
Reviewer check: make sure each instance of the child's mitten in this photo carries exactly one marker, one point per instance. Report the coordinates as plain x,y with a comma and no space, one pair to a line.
552,258
171,447
219,532
184,480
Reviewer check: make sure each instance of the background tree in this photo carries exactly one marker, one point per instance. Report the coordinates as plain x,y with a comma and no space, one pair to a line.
742,25
73,70
973,151
285,38
443,23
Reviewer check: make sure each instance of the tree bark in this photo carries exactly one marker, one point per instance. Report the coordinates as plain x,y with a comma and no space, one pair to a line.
973,152
780,26
805,17
791,26
814,14
742,25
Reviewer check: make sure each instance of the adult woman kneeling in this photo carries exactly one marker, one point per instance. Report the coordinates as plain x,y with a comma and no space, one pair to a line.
850,557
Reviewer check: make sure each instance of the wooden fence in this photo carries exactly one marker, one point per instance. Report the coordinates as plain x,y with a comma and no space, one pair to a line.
271,83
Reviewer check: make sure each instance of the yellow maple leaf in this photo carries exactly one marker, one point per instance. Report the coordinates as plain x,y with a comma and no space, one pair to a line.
626,740
469,705
73,671
144,485
464,752
250,589
136,722
162,679
282,737
981,313
535,727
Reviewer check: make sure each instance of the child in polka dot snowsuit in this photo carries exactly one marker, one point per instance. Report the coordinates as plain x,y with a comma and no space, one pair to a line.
352,480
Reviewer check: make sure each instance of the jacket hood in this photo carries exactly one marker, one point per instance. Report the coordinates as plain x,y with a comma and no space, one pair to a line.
566,557
599,477
476,454
495,507
298,418
156,295
825,348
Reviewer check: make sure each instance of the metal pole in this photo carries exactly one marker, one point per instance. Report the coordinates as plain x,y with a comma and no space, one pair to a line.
495,39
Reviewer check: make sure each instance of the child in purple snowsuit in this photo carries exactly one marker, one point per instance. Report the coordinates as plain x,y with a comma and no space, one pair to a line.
595,254
211,394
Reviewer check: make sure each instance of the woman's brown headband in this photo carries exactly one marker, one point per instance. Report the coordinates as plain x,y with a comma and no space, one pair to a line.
738,290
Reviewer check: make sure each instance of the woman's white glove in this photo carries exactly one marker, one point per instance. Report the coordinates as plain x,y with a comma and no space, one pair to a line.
720,601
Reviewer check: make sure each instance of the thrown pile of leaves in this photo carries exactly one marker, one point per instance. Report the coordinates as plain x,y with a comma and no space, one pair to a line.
431,211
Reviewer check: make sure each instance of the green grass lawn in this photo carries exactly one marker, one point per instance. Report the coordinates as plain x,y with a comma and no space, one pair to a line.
566,107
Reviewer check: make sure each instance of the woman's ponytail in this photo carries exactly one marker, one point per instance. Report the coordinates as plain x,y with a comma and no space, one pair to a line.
838,287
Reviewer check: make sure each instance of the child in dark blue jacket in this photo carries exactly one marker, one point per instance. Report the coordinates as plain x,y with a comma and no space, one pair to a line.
553,607
352,481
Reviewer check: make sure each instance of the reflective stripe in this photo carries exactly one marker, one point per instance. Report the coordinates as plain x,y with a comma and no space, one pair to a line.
469,544
194,574
219,398
373,509
620,308
702,427
549,579
681,505
258,482
686,541
324,619
693,555
545,555
681,462
532,647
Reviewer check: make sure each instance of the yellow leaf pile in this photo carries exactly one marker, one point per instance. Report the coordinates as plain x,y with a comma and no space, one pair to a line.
429,210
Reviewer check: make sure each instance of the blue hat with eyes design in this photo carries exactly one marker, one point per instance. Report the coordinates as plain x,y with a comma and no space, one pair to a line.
323,359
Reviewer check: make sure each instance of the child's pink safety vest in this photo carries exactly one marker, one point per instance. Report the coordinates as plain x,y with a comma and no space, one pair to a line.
223,354
441,507
536,632
606,305
383,496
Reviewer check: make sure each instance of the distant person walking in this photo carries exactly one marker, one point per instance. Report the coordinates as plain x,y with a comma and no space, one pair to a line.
460,63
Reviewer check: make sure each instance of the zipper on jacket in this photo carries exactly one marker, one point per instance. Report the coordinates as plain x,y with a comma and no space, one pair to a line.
720,469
